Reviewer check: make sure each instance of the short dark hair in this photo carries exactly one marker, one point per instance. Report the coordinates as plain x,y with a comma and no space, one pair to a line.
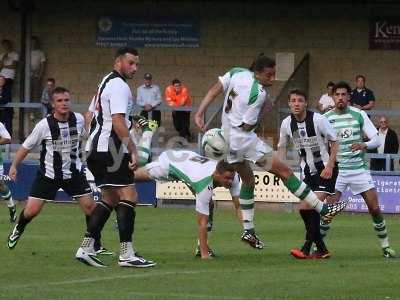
330,84
6,41
176,81
360,76
125,50
297,92
51,80
342,85
59,90
224,166
36,39
262,62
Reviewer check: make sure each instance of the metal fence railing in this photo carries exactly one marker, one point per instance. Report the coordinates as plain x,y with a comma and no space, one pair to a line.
82,108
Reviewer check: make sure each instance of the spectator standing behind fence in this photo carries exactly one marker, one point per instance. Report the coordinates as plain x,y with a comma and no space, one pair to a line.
8,63
326,102
38,63
6,113
177,95
46,96
148,98
389,144
361,97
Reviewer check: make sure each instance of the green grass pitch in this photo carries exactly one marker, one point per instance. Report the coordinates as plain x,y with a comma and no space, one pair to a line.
42,266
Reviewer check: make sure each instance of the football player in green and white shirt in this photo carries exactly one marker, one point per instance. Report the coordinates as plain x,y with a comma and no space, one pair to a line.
201,175
351,124
246,98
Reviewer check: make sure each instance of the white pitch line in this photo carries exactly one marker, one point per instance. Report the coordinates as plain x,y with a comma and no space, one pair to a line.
194,296
99,279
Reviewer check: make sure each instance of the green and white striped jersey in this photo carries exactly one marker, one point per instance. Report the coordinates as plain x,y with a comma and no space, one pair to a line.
350,127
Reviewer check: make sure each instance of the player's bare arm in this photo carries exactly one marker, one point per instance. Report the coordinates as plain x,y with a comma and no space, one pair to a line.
328,170
212,94
202,221
19,157
122,131
5,141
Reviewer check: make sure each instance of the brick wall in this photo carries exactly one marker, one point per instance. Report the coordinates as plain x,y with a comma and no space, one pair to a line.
232,34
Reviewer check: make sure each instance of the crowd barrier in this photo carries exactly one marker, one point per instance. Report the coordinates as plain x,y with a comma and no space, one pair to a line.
271,189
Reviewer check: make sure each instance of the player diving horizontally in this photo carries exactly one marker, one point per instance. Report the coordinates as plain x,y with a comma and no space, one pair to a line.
201,175
192,169
245,101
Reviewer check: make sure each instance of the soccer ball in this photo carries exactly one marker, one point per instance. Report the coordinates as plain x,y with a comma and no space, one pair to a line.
214,144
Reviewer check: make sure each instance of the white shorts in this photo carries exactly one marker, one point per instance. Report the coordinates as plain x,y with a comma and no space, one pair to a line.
246,146
358,182
158,169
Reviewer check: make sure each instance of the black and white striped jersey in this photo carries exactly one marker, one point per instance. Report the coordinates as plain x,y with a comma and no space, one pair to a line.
113,96
60,154
311,139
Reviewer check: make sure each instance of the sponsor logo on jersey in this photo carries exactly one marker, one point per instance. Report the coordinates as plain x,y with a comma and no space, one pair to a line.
345,133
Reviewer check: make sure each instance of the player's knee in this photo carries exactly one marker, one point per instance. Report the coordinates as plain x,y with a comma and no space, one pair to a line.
89,207
280,169
31,211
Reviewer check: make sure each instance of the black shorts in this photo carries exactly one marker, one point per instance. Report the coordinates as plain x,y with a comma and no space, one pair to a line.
318,184
47,188
106,173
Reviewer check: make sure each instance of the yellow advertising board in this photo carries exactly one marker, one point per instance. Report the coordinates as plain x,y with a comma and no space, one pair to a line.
268,189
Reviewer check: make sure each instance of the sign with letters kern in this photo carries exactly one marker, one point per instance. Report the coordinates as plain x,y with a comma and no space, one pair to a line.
384,33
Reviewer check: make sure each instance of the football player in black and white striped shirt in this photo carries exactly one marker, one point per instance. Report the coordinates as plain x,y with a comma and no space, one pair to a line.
112,159
60,162
315,141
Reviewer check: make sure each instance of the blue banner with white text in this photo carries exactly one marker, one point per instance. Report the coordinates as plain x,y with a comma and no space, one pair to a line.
132,32
388,189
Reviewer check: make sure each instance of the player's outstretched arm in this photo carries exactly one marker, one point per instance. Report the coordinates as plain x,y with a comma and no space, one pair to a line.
212,94
19,157
202,221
